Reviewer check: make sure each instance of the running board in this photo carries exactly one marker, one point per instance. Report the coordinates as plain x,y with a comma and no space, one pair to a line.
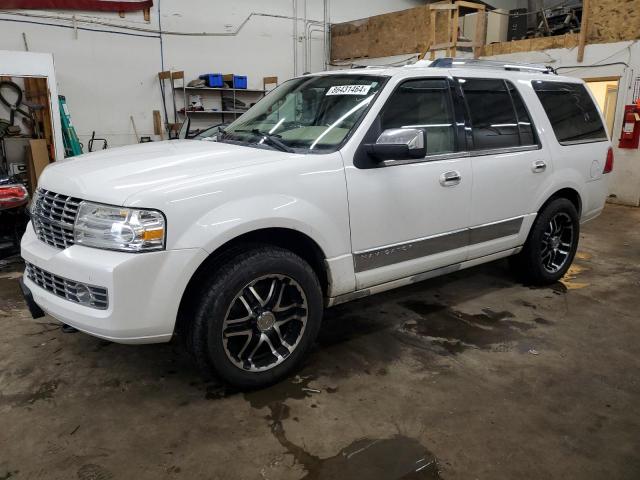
402,282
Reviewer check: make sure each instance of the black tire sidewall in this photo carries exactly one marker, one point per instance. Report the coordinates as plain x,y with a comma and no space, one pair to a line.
236,274
537,272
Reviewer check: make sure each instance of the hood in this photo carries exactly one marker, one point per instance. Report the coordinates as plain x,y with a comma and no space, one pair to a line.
111,176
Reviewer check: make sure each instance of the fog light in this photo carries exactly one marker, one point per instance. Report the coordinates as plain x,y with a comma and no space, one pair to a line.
84,295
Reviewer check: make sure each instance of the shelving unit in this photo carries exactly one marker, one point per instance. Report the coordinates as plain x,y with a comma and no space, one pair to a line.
247,95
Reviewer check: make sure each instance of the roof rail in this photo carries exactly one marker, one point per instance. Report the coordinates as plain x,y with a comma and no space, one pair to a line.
449,62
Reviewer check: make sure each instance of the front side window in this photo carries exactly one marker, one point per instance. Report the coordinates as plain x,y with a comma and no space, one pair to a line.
571,111
308,114
424,104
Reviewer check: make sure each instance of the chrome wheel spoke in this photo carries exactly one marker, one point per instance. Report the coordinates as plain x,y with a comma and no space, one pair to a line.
283,342
287,319
288,308
253,297
273,349
277,299
244,347
255,349
234,333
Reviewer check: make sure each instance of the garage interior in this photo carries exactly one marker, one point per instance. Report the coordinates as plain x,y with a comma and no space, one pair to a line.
468,375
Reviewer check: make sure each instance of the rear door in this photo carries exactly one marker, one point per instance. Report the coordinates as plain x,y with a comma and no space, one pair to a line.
510,166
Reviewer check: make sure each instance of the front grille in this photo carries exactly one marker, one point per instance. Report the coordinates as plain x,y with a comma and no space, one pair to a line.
65,288
53,216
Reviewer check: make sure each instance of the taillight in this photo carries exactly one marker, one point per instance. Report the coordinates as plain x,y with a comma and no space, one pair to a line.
13,196
608,165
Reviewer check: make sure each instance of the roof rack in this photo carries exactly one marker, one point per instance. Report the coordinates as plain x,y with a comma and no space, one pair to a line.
448,62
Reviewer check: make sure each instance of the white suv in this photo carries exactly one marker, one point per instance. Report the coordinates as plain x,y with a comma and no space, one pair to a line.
333,187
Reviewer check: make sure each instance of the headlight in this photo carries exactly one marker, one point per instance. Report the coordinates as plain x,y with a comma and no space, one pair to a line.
119,228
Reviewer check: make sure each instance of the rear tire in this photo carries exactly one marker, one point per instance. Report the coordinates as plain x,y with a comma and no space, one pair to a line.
551,245
256,317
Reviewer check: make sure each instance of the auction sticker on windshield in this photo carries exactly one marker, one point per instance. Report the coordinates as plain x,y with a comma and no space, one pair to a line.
349,90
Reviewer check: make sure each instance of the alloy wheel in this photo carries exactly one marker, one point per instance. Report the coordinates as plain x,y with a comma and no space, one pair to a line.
265,323
557,242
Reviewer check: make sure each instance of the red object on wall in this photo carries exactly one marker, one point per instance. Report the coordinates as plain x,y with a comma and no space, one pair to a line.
89,5
630,135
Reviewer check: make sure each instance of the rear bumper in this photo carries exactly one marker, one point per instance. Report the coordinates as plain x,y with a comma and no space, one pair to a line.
144,289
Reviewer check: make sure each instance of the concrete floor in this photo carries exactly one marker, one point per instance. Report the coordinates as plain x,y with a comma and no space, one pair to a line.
467,376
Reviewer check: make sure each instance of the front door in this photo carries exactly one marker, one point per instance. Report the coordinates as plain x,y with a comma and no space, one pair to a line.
409,217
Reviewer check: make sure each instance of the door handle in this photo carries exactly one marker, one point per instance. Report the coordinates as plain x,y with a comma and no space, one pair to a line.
538,166
450,179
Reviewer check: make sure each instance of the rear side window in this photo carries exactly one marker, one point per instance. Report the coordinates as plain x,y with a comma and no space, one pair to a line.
499,118
572,113
424,104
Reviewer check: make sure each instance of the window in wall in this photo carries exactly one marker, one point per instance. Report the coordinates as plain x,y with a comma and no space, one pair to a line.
572,113
605,91
493,119
423,104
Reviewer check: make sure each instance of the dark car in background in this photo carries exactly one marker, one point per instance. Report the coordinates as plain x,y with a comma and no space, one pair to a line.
13,214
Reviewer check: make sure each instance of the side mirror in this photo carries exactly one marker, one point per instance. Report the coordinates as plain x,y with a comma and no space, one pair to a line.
399,144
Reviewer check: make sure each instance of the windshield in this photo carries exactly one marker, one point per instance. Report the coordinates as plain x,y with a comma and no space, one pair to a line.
309,114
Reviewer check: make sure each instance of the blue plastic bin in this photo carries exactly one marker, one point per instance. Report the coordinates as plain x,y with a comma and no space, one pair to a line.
236,81
213,80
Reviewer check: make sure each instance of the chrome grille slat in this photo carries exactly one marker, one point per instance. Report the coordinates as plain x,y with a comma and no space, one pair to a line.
65,288
53,218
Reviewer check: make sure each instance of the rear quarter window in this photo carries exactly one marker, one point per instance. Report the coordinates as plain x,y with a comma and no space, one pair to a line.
571,111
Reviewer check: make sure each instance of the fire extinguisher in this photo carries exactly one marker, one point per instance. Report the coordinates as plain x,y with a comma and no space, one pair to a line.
630,135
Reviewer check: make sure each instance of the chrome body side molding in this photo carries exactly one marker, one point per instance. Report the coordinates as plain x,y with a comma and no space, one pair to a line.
422,247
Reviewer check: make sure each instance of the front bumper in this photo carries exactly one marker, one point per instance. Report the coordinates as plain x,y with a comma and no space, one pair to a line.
144,289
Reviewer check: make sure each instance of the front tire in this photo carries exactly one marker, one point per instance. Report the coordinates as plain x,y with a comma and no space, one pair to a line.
551,245
256,317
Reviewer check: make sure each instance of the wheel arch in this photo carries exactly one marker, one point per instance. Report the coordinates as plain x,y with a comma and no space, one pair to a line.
297,242
570,194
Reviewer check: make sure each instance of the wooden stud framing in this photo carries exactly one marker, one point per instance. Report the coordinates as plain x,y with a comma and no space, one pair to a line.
464,4
453,16
584,26
456,28
442,6
432,31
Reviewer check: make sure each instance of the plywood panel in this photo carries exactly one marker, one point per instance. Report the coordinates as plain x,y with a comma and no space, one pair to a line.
407,32
613,21
395,33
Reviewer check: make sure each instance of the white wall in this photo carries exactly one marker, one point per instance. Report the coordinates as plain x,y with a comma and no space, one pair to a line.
108,77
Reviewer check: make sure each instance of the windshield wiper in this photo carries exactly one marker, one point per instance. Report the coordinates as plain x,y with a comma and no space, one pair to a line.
272,140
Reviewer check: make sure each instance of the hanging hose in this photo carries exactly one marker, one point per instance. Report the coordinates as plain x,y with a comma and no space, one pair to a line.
14,107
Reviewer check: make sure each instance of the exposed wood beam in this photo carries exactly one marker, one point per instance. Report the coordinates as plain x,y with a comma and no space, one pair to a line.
477,6
584,27
442,6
